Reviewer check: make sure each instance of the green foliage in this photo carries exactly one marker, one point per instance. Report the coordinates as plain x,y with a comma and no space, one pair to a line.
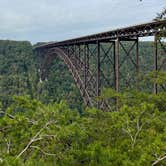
35,134
55,133
19,75
16,70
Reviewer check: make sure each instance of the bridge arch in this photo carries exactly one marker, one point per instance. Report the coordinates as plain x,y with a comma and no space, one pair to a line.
47,58
90,83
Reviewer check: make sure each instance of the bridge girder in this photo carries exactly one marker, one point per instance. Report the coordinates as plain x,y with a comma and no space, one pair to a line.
96,61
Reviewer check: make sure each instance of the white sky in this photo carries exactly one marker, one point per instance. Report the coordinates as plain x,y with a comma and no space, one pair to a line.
55,20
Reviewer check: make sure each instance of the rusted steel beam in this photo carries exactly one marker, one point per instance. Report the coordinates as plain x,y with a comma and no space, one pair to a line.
155,89
137,63
85,68
76,54
98,72
70,62
147,29
137,55
79,53
114,63
87,54
116,67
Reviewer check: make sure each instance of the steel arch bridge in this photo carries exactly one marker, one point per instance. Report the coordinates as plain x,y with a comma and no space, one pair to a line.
104,49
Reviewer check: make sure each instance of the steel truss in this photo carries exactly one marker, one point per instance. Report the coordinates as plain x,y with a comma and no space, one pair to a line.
99,61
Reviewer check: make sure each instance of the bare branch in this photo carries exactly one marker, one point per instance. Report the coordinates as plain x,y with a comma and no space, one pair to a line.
46,153
8,146
1,160
34,139
9,115
159,160
138,130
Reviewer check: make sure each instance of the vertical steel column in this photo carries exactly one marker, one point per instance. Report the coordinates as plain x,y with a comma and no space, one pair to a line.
68,51
85,67
98,72
116,66
75,55
137,62
72,53
79,53
87,54
114,59
137,55
86,47
155,62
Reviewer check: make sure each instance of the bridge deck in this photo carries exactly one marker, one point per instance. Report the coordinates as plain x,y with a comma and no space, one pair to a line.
142,30
88,65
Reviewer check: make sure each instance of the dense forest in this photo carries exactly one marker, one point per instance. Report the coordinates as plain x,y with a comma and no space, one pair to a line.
19,73
46,122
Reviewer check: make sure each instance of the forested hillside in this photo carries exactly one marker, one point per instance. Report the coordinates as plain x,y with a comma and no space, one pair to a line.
45,123
19,73
15,66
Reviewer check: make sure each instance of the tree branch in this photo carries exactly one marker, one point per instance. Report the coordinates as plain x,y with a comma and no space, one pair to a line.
34,139
46,153
159,160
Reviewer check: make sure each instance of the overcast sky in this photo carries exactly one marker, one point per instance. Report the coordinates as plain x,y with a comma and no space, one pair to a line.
55,20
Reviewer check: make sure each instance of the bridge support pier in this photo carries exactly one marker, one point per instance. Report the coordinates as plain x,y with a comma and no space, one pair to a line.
159,60
98,73
116,63
137,63
155,86
85,68
113,63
